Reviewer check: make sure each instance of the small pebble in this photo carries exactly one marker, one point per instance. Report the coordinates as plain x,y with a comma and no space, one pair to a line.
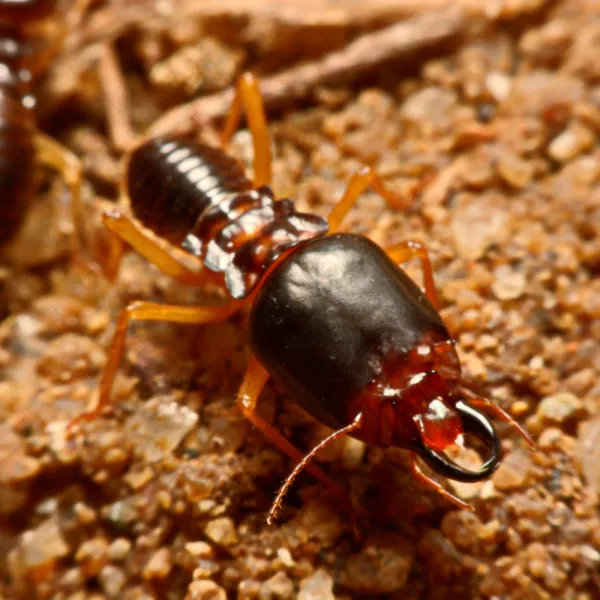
38,550
574,140
92,555
318,586
431,104
158,427
199,549
281,587
509,284
381,567
85,514
221,531
519,408
514,170
478,222
285,557
119,549
560,407
514,471
205,590
112,579
588,451
138,478
159,565
499,85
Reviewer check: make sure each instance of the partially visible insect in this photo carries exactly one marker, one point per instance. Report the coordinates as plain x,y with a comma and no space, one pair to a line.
333,319
23,57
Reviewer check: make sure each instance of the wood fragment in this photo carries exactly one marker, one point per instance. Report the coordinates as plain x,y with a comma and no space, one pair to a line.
112,21
365,53
122,134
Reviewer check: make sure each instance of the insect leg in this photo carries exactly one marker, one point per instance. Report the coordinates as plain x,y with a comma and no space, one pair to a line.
428,482
252,385
405,251
52,154
248,95
493,409
359,182
148,311
187,270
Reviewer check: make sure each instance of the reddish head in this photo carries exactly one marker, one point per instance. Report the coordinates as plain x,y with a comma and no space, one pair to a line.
415,402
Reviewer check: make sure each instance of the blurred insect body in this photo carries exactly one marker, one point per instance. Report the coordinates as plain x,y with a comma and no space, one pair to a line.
23,57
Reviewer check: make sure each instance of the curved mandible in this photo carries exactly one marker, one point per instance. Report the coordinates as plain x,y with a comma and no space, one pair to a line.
476,424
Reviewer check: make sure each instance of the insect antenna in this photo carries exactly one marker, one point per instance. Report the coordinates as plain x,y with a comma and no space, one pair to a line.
290,479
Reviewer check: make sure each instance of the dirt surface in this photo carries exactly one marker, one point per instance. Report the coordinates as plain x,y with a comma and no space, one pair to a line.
491,134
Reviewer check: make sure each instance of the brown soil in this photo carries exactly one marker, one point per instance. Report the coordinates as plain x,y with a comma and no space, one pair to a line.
490,130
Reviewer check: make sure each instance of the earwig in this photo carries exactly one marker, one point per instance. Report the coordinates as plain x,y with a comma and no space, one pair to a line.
333,319
22,145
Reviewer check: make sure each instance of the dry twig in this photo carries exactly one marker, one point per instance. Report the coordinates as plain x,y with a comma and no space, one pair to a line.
394,42
113,21
115,96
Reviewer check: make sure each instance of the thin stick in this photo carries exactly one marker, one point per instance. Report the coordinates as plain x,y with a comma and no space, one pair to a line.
115,96
111,22
397,41
302,464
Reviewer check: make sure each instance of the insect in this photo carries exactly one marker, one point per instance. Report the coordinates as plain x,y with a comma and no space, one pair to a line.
333,319
22,146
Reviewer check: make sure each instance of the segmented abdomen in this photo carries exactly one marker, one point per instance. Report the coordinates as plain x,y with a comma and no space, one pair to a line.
198,198
171,182
17,128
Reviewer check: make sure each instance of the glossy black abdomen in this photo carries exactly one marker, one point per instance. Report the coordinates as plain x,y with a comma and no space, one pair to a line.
172,181
328,317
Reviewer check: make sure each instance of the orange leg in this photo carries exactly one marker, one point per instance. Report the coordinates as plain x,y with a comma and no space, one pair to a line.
252,385
249,96
52,154
359,182
494,410
428,482
157,251
404,251
148,311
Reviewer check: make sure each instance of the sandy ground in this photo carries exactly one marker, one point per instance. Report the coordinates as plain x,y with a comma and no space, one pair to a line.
490,133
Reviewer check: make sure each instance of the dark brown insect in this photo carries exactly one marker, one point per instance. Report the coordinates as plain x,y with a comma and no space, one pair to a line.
23,57
333,319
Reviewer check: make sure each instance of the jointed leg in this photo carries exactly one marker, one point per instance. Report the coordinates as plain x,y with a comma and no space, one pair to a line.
427,481
404,251
127,230
148,311
359,182
254,381
249,96
494,410
52,154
